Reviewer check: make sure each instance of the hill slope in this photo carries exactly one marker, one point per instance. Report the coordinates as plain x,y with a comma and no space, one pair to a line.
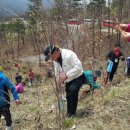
107,109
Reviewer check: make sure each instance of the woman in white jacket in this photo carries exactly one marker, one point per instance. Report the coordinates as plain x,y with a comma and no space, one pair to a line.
68,70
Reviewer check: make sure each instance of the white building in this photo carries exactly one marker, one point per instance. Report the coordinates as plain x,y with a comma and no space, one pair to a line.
80,2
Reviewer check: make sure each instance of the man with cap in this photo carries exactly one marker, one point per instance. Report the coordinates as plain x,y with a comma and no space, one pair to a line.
68,70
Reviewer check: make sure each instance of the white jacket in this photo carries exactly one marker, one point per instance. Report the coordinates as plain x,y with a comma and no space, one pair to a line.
71,65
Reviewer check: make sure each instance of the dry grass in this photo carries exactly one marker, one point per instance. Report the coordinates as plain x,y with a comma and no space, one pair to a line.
106,110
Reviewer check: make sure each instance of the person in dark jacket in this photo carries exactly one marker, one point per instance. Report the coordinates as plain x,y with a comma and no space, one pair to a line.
113,58
128,67
18,78
5,86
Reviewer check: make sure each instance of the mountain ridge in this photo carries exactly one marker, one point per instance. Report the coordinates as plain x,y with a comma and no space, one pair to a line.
19,7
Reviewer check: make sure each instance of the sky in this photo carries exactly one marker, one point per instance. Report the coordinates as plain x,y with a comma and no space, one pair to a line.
12,7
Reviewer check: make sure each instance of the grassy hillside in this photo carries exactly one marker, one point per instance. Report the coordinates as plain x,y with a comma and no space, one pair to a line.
107,109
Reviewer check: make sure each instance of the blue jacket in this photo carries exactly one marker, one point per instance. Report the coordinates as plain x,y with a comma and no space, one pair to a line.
90,80
5,82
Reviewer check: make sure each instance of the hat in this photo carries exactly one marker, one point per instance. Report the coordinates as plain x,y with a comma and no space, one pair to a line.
48,51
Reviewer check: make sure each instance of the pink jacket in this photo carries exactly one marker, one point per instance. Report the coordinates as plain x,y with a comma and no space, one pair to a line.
19,88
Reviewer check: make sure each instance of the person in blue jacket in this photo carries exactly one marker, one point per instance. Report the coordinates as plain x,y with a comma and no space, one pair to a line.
89,79
5,86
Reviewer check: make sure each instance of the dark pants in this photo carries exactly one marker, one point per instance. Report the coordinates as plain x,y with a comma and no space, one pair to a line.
7,115
31,82
111,75
72,90
128,72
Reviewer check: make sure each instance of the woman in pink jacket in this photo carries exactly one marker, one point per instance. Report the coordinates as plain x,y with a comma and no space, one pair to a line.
19,88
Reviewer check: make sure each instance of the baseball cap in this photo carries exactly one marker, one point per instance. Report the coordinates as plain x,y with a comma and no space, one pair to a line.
48,51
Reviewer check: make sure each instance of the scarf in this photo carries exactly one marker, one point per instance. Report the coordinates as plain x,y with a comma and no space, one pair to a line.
116,52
